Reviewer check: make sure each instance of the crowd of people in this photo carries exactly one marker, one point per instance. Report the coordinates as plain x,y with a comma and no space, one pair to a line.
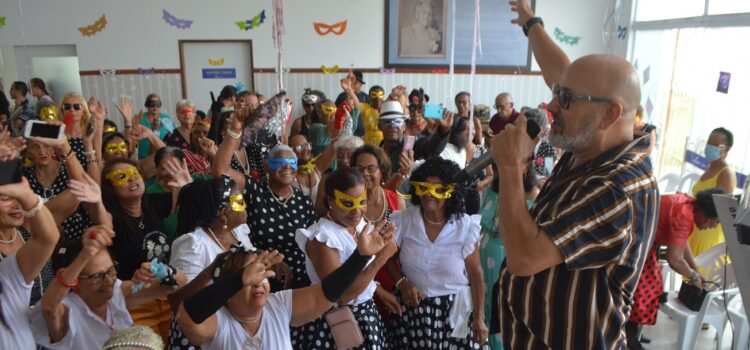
210,231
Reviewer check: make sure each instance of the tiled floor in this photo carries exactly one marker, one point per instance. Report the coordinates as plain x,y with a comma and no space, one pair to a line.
664,336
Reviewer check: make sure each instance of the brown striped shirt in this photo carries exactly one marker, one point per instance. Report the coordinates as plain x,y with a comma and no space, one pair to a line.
601,216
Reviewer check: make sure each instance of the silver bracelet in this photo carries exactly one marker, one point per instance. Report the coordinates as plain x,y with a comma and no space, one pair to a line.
35,209
234,135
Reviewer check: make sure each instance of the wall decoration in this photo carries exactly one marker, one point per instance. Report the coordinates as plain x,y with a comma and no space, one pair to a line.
440,71
98,26
723,85
384,70
252,23
108,72
218,62
649,107
146,71
2,21
409,22
332,70
219,73
239,86
176,22
325,29
622,32
565,38
646,75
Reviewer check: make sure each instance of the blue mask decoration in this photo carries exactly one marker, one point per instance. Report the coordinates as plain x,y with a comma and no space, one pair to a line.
278,163
712,153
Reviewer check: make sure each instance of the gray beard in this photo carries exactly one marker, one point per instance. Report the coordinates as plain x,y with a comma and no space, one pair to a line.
572,143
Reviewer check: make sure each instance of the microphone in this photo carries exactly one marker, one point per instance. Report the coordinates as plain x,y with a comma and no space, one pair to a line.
536,119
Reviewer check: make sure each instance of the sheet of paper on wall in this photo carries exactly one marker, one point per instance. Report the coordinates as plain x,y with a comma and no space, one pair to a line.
2,21
646,75
723,85
649,107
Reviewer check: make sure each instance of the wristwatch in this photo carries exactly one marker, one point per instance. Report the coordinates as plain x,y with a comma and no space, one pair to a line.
530,23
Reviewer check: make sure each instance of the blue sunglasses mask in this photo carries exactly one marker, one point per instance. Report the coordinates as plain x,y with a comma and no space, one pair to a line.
278,163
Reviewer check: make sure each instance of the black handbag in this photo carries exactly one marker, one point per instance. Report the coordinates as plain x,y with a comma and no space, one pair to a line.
692,296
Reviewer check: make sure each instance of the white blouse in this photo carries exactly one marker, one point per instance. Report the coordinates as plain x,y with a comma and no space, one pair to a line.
435,268
193,252
337,237
86,330
15,300
273,332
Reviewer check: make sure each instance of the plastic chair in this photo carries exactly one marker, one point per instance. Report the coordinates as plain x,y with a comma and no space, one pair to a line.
669,183
712,266
687,182
739,321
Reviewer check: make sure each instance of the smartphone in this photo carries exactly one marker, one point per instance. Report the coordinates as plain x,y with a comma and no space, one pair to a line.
38,128
409,144
10,172
433,111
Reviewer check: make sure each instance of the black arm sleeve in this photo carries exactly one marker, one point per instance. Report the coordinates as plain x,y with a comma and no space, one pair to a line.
431,145
208,300
338,281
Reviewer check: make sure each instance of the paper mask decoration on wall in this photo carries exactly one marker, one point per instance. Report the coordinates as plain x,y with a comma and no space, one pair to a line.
622,32
646,75
723,85
252,23
565,38
146,71
649,107
218,62
108,72
2,21
176,22
332,70
325,29
97,27
384,70
239,86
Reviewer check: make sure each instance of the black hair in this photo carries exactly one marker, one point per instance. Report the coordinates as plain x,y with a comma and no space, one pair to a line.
704,201
227,92
342,179
529,179
376,87
20,86
458,95
200,114
445,170
168,151
67,252
318,109
112,203
4,104
199,203
152,96
727,135
38,82
384,161
109,136
109,124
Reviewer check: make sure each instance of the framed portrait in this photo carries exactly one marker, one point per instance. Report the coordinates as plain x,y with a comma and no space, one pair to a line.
418,34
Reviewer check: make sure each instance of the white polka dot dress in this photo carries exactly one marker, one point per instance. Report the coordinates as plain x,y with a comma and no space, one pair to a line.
74,226
318,334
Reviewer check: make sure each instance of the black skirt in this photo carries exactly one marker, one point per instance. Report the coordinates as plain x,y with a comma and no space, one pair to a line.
317,335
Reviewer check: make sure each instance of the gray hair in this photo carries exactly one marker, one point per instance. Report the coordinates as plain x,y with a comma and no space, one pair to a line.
185,103
281,148
538,116
349,142
136,337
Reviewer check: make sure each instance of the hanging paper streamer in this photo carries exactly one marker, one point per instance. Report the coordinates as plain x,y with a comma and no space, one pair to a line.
325,29
451,65
2,21
622,32
97,27
723,85
646,75
239,86
277,110
565,38
176,22
384,70
649,107
252,23
146,71
218,62
332,70
476,45
278,39
611,24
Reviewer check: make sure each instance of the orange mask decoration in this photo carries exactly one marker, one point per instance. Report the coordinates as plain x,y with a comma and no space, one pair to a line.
325,29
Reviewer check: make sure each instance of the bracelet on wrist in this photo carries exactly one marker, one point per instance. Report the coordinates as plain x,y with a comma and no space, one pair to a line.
530,23
233,134
400,280
31,212
64,283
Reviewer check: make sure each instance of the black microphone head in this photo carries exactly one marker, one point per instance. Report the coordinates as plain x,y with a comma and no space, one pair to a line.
536,121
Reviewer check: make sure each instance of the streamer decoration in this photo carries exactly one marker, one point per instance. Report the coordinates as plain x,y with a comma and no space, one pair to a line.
97,27
331,70
239,86
565,38
622,32
324,29
218,62
146,71
253,22
384,70
2,21
176,22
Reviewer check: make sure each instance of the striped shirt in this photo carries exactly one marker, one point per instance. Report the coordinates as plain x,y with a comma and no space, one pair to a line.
601,215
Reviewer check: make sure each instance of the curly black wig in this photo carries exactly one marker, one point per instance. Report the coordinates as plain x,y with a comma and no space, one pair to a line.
200,202
445,170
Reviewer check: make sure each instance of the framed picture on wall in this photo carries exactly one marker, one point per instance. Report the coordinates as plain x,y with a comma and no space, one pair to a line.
418,34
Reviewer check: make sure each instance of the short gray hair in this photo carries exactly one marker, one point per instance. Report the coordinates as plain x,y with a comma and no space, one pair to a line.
349,142
134,337
281,148
185,103
538,116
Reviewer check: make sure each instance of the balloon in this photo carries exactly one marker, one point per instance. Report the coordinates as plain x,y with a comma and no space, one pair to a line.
48,113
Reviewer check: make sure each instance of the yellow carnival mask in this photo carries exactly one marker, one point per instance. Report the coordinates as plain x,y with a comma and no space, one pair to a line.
237,203
328,110
110,129
348,203
122,176
440,191
377,95
112,148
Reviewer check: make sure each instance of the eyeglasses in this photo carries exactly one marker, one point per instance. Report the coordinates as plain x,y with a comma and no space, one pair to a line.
502,105
302,147
153,103
98,278
392,122
371,169
564,95
68,106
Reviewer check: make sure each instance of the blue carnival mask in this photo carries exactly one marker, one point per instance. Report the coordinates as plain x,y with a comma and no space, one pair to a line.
278,163
712,153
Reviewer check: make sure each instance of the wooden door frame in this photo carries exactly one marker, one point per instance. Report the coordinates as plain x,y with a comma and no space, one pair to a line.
182,59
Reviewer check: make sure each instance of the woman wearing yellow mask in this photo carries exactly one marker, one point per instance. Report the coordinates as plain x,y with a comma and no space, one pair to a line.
326,129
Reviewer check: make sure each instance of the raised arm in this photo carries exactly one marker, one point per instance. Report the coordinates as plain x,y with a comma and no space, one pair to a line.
223,156
551,58
88,191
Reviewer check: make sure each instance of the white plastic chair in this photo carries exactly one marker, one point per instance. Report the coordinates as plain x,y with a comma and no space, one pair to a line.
687,182
712,266
740,324
669,183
